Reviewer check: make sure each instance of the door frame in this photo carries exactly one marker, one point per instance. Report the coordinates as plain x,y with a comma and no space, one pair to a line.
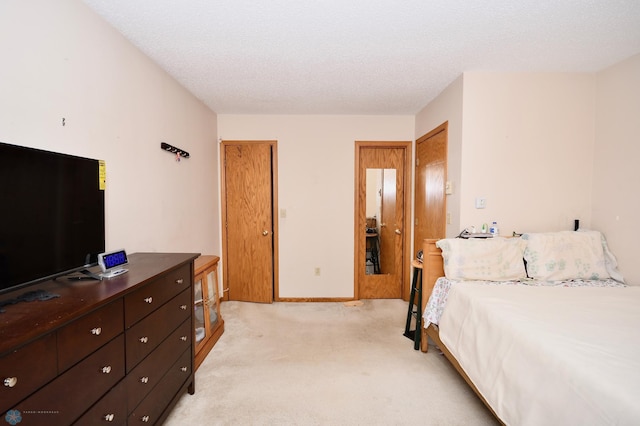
274,206
359,230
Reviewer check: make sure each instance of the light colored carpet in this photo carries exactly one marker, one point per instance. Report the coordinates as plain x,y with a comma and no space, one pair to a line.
325,364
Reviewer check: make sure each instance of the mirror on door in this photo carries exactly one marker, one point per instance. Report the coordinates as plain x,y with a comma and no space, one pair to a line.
380,201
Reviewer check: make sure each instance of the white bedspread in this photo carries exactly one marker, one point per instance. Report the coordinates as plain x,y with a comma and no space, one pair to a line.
549,355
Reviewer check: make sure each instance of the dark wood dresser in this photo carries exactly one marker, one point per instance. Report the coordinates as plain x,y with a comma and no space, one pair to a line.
117,351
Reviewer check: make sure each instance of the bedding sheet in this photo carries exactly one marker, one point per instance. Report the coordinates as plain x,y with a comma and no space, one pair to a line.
549,355
438,299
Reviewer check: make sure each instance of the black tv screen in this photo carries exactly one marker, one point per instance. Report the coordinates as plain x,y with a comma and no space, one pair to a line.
51,215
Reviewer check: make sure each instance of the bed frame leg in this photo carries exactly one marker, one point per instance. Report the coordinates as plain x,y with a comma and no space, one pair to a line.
424,340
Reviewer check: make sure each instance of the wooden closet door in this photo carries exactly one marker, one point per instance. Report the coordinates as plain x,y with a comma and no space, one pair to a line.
431,174
248,221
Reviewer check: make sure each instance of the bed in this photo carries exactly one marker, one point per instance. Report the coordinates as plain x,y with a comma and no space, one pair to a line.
554,342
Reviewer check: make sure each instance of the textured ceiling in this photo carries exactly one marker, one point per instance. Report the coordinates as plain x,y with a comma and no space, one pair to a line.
364,56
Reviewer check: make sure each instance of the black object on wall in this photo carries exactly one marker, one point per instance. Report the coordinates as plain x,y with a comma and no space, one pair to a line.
174,150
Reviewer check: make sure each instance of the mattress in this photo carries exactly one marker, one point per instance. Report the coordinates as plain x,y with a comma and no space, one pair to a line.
548,354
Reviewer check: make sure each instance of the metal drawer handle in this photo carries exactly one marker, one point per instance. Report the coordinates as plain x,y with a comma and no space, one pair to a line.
183,369
96,331
183,338
179,281
183,307
144,339
145,419
10,382
109,417
148,299
144,379
107,369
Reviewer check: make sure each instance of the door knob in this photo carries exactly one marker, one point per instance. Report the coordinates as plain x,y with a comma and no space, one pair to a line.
265,232
399,232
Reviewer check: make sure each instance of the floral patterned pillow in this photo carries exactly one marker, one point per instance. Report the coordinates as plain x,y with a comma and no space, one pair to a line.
490,259
565,255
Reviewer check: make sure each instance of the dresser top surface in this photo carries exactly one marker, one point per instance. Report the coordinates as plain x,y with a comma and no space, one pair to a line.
24,321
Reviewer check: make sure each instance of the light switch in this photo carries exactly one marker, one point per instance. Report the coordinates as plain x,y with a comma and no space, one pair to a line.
481,203
283,213
448,188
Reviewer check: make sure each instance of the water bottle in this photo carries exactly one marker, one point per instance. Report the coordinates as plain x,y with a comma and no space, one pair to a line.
493,229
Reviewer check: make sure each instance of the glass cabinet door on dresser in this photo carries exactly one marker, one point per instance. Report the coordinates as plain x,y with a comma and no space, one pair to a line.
209,325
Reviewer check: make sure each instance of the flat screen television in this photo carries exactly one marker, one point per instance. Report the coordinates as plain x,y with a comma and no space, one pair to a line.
52,219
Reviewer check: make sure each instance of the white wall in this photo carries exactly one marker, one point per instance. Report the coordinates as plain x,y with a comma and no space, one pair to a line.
316,176
59,60
527,149
616,203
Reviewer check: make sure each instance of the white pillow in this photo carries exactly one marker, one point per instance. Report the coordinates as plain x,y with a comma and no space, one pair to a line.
490,259
565,255
610,261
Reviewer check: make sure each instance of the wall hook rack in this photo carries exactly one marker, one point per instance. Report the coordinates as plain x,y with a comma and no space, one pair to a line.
174,150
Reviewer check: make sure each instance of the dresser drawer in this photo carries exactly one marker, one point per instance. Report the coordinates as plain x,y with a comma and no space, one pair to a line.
146,335
142,302
152,407
26,369
142,379
88,333
110,410
69,395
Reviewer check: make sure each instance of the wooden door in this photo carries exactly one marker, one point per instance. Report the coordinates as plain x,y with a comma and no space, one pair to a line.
248,220
431,173
389,159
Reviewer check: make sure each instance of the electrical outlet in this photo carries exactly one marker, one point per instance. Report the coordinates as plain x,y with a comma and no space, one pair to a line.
316,272
481,203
